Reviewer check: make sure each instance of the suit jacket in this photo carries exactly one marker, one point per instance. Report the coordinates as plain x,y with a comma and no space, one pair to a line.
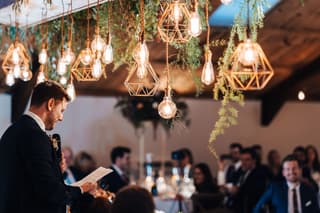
30,178
250,191
277,195
113,181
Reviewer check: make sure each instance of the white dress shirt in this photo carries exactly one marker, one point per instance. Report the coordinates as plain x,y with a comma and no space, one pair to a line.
290,196
37,119
118,170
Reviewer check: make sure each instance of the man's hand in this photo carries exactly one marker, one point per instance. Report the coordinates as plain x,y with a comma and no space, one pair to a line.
63,164
89,187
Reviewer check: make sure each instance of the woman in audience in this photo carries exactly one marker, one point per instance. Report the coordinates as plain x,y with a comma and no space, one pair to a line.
274,164
203,179
313,163
133,199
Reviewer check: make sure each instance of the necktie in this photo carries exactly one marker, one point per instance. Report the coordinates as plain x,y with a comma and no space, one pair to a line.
295,200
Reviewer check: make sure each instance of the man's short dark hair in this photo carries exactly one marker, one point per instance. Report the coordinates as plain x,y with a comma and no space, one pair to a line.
44,91
236,145
118,152
133,199
289,158
251,152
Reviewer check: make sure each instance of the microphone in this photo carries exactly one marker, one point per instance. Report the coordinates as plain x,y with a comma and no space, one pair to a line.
57,146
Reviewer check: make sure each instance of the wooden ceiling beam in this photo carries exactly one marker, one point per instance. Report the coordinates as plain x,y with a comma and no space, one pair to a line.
274,99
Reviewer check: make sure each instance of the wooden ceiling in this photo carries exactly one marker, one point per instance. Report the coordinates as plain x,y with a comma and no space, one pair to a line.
290,39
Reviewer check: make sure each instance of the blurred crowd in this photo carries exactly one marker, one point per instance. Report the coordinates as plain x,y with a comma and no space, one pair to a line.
240,184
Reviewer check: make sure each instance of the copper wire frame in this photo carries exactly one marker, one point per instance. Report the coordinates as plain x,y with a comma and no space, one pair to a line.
172,31
7,65
253,77
147,86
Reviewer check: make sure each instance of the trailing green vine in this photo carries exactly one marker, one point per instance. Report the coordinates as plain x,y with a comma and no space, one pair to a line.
228,113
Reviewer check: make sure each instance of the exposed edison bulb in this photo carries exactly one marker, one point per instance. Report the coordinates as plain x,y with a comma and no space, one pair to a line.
63,80
194,27
86,56
167,108
141,53
207,76
177,15
301,95
226,2
107,57
26,75
15,58
97,43
68,56
16,71
43,56
62,67
96,69
248,55
142,71
41,77
71,91
10,79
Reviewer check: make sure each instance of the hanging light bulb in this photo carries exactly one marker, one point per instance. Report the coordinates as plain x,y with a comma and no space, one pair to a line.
248,55
177,15
141,53
108,54
16,71
71,91
62,68
86,56
141,71
43,56
63,80
207,76
26,74
195,28
68,56
10,79
301,95
15,58
226,2
41,77
97,69
97,43
167,108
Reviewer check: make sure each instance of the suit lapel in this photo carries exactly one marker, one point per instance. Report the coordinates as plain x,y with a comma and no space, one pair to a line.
285,193
303,198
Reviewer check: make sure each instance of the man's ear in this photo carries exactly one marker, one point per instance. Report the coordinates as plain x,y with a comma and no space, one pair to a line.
50,104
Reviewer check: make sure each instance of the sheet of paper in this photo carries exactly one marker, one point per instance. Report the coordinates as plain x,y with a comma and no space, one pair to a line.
93,176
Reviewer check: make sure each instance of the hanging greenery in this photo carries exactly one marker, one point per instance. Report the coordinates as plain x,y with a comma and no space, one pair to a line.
228,113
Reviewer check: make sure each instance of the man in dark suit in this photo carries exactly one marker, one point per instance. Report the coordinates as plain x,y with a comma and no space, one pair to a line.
251,184
31,179
120,158
290,195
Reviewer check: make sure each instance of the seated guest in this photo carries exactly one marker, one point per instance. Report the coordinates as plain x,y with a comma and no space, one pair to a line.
313,163
71,174
251,184
274,164
224,162
120,158
300,154
133,199
208,195
290,195
234,170
203,179
85,163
